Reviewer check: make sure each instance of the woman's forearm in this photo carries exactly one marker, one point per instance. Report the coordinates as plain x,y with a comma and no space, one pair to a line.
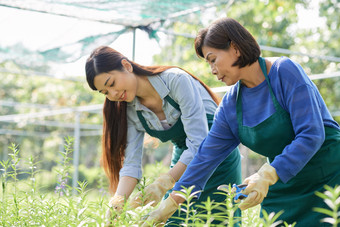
177,171
126,185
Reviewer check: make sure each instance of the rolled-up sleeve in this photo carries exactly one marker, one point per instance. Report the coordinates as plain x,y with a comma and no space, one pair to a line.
185,92
132,165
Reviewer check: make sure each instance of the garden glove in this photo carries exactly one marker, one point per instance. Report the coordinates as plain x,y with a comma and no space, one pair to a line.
116,204
155,191
165,210
258,186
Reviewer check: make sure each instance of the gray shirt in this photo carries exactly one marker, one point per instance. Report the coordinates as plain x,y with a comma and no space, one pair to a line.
194,102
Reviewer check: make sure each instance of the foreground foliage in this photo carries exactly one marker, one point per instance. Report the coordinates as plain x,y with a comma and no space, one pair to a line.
22,204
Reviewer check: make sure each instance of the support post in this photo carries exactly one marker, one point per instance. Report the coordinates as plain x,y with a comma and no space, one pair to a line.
134,44
76,151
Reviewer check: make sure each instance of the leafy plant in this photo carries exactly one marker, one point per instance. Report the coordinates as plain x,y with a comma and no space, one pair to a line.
332,198
63,173
23,204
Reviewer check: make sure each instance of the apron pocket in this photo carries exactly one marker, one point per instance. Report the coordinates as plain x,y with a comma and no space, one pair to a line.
308,174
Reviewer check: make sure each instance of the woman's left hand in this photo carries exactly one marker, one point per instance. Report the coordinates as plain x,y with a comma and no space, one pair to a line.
154,192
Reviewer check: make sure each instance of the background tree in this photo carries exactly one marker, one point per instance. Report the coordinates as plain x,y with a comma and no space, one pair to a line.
273,24
43,141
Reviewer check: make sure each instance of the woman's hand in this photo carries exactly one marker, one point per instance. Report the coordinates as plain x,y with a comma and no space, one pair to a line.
258,185
154,192
116,205
165,210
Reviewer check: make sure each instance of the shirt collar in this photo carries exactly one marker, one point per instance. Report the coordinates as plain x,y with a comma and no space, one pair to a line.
135,104
159,85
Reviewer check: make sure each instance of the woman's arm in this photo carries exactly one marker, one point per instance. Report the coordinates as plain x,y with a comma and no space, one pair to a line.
126,185
132,166
186,92
177,171
302,100
124,190
215,148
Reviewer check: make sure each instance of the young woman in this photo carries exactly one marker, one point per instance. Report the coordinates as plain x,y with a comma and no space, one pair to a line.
274,109
167,103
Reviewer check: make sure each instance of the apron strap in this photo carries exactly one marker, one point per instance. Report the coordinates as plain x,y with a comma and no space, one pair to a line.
172,102
264,70
277,106
143,121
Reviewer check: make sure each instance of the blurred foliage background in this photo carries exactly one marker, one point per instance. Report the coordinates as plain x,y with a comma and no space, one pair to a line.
273,23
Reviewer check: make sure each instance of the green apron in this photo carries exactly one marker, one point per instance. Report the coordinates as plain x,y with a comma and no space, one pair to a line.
228,172
297,197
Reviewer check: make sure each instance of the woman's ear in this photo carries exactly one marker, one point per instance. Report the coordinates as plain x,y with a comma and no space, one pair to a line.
127,65
235,49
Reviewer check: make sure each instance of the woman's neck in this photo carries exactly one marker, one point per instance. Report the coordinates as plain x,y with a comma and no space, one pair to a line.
252,75
145,90
149,97
147,94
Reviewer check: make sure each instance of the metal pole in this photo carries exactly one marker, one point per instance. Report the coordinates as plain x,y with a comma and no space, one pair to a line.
76,151
5,152
134,44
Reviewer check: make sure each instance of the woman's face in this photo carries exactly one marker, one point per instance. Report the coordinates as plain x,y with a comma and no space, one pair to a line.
117,85
221,61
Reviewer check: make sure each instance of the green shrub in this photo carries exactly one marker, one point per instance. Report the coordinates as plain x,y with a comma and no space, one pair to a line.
47,199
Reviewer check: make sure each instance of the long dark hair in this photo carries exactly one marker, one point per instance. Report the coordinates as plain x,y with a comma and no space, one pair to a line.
103,60
221,33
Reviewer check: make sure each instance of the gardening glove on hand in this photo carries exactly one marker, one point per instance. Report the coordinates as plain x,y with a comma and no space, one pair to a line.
258,185
116,204
165,210
155,191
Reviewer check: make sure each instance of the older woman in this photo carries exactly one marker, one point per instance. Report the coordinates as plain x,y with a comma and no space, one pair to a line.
274,109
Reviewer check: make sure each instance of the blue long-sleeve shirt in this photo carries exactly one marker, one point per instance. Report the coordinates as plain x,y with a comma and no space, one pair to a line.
296,93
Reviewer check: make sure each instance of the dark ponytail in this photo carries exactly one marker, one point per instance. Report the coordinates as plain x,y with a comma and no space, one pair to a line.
113,140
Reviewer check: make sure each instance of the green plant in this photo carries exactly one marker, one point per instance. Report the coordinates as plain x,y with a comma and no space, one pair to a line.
14,174
63,173
24,204
4,176
187,207
227,208
332,198
269,220
32,173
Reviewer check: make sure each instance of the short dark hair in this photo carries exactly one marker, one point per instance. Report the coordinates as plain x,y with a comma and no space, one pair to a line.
221,33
